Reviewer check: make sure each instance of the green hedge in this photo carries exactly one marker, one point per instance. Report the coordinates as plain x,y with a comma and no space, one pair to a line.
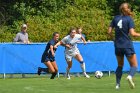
49,16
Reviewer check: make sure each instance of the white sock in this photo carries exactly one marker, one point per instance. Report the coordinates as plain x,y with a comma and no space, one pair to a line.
129,76
83,67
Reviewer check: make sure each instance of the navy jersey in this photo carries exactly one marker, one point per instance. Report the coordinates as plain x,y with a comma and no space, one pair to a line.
122,24
47,51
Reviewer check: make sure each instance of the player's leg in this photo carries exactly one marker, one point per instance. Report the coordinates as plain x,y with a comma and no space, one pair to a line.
51,69
120,60
68,58
119,52
56,69
82,63
69,63
44,60
40,69
133,63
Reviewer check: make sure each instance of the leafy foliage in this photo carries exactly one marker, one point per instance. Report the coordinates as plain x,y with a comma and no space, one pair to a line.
47,16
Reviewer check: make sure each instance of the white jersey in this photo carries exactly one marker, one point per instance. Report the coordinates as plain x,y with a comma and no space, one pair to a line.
71,41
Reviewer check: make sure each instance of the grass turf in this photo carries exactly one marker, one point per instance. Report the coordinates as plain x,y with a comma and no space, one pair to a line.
62,85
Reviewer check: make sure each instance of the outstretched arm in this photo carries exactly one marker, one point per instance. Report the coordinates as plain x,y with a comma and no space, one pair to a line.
57,44
61,43
83,39
133,33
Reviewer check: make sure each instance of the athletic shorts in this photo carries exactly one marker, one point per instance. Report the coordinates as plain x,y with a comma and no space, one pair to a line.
46,58
69,55
124,51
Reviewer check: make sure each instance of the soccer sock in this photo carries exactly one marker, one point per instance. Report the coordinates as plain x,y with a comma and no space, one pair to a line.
53,75
83,66
67,71
118,74
132,71
45,70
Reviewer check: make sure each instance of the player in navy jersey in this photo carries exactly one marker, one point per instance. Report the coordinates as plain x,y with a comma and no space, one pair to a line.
48,57
124,26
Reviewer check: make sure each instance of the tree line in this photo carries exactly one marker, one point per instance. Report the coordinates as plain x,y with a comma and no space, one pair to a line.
47,16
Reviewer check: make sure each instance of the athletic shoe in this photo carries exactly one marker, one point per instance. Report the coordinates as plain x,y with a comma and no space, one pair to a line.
87,76
130,81
118,86
68,76
39,71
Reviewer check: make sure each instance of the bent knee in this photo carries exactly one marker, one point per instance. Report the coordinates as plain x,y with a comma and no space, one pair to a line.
70,66
54,71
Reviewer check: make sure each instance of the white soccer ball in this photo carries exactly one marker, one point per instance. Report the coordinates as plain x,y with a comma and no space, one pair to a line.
98,74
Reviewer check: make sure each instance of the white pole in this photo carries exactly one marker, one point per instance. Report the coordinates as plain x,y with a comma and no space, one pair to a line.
109,73
4,75
58,74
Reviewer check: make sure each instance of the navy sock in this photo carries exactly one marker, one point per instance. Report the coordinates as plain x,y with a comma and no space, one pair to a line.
81,62
53,75
133,71
45,70
118,74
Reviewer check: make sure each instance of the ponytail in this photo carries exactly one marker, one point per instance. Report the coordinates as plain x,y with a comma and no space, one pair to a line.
125,9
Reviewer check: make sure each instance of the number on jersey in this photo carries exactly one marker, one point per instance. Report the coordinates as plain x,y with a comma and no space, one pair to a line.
120,24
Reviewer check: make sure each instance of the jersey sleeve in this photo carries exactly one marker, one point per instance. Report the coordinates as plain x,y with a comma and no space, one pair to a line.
131,23
64,40
78,36
112,24
51,42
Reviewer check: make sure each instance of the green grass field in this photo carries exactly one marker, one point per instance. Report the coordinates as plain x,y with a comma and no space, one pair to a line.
62,85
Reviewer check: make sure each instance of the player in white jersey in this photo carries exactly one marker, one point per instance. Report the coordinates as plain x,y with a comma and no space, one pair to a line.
71,50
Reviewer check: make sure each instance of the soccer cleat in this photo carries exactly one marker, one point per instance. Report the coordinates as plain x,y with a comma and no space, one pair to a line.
130,81
85,75
68,76
39,71
118,86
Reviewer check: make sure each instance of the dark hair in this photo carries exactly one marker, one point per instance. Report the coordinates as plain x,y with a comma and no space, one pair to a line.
55,33
71,29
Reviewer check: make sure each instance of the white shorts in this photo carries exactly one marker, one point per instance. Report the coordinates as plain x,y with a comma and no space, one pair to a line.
69,55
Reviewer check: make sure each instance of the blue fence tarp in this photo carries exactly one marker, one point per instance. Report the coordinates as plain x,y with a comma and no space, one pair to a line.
25,58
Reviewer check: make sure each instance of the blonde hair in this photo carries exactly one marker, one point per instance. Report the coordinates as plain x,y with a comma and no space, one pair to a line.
125,9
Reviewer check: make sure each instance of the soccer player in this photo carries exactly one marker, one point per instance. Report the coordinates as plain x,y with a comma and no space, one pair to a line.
48,57
124,26
71,50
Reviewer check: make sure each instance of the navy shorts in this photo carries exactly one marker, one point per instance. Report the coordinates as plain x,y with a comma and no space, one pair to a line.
124,51
46,58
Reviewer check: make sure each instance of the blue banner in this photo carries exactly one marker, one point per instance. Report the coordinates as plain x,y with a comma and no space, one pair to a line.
26,58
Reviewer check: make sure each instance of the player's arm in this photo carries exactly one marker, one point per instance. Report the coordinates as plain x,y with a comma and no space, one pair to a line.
52,51
62,43
83,39
110,29
133,33
57,44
